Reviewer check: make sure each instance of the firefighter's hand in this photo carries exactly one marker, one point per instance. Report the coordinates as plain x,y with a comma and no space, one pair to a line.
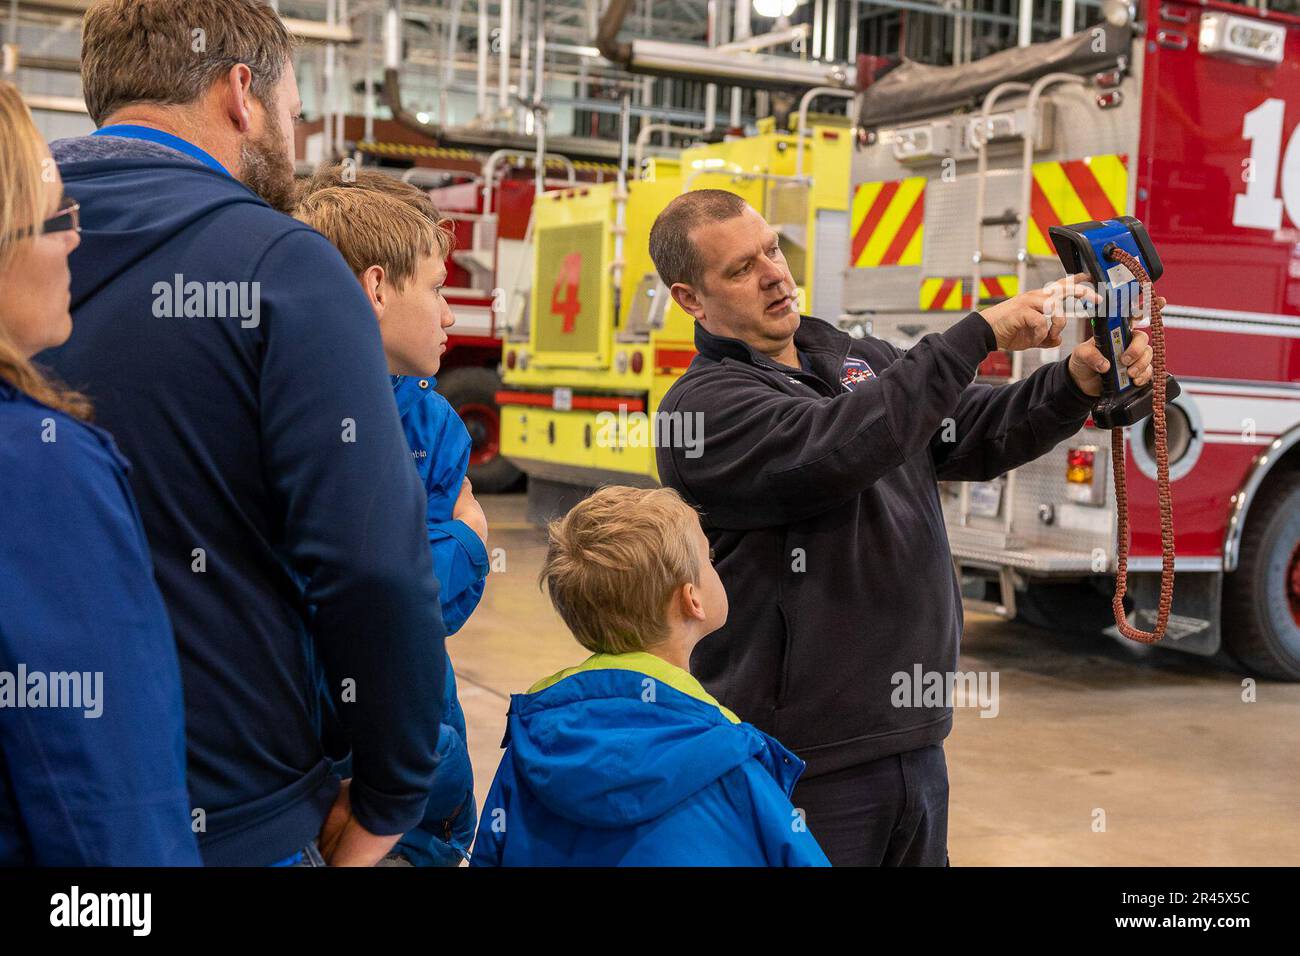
1036,319
1087,364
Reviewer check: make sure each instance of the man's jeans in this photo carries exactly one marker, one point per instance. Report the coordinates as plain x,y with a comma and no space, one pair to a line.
890,812
307,856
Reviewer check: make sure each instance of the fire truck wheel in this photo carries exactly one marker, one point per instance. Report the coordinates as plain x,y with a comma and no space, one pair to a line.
1261,599
472,392
1071,607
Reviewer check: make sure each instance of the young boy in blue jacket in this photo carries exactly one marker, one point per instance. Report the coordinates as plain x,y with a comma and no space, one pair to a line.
391,236
625,759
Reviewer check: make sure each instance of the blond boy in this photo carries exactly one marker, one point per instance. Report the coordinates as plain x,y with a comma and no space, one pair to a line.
397,246
625,759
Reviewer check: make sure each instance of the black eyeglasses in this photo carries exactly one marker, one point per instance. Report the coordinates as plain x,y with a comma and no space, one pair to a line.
67,219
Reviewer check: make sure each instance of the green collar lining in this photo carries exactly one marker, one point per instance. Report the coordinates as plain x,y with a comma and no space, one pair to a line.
641,662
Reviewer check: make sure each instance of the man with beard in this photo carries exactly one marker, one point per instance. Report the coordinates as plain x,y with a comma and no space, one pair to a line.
235,359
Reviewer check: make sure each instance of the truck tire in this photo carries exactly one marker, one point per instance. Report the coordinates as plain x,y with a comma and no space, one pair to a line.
1066,607
472,392
1261,599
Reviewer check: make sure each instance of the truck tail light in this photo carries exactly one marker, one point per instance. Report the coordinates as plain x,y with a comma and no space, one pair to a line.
638,362
511,359
1079,464
1085,475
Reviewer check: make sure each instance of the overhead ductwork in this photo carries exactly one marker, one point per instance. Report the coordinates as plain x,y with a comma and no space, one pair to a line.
472,137
917,89
611,22
734,68
583,147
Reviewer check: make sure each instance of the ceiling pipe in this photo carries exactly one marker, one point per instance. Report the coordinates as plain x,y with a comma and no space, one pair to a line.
711,89
503,65
392,61
649,129
801,130
611,21
765,40
740,30
60,64
754,70
686,60
483,41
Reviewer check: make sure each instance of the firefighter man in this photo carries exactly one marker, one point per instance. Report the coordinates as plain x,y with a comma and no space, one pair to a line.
816,480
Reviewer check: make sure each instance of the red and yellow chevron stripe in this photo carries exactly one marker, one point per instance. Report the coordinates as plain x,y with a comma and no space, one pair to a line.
949,292
1094,187
943,292
996,287
888,220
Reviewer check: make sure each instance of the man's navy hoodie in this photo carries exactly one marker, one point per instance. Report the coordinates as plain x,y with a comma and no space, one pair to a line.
276,490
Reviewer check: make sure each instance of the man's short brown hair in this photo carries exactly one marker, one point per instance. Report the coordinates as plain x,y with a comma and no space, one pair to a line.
614,562
675,257
371,229
170,52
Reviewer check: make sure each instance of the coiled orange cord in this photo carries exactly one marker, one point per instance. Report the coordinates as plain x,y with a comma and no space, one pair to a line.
1134,265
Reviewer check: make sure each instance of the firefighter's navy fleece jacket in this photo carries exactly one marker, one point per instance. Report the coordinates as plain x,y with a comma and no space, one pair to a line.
833,471
239,441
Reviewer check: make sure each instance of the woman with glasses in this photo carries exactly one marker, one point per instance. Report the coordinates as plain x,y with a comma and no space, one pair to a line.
92,748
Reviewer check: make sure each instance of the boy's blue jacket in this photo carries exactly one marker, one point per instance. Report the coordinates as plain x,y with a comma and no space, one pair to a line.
625,760
101,783
440,447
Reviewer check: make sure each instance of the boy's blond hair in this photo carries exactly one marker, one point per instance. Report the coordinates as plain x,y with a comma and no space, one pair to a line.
351,176
374,220
614,562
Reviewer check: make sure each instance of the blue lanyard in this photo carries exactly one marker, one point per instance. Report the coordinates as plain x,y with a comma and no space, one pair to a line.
162,139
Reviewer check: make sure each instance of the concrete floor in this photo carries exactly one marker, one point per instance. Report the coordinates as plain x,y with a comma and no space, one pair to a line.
1186,773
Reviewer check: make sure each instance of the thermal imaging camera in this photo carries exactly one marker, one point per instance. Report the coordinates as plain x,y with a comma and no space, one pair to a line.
1089,247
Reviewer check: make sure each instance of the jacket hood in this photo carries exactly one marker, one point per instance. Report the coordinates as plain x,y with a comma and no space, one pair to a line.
621,739
134,204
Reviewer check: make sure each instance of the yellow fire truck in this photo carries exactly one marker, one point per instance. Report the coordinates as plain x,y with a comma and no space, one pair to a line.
587,363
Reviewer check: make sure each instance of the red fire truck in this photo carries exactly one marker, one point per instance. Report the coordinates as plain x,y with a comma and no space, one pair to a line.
488,278
1190,121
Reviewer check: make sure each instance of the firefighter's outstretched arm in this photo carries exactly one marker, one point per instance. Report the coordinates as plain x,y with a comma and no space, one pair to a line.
999,427
769,457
